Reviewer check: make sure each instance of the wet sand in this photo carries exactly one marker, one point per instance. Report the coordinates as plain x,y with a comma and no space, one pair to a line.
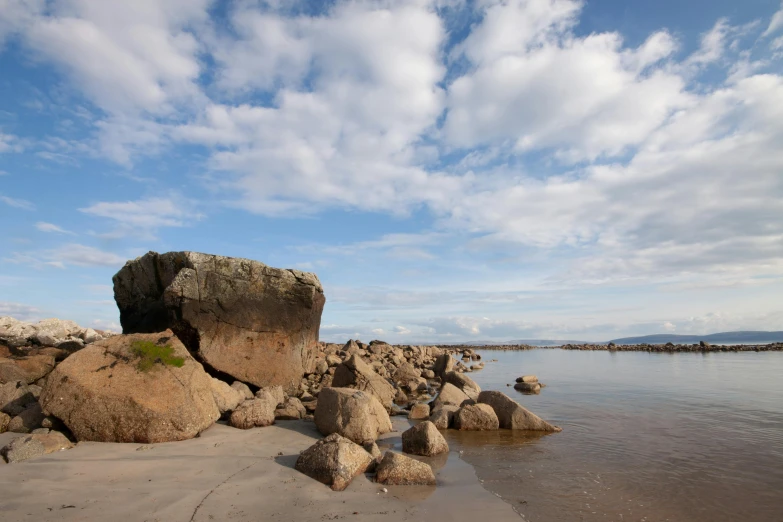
228,474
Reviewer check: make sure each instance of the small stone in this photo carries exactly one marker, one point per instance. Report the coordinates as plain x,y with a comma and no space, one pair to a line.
419,411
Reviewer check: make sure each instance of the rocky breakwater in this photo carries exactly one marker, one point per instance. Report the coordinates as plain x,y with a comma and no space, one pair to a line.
255,323
700,347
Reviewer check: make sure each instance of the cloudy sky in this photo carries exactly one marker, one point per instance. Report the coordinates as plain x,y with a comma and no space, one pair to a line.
452,170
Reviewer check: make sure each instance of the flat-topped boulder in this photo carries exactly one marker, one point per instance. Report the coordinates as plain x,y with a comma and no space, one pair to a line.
131,388
256,323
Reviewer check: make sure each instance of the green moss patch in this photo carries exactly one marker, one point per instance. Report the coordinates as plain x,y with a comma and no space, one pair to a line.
150,354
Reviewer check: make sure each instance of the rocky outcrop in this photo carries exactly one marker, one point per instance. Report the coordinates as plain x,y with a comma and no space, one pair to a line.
255,413
111,391
398,470
356,373
424,439
35,445
354,414
334,461
256,323
21,335
513,416
476,417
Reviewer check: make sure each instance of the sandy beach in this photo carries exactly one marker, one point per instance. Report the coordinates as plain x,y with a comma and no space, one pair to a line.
228,474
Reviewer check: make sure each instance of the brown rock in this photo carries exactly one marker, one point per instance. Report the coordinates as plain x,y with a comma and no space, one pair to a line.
4,420
242,388
527,378
226,397
513,416
28,369
529,387
406,373
419,411
334,461
35,445
256,323
101,394
424,439
375,452
255,413
443,417
464,383
30,419
291,409
354,414
398,470
276,392
443,364
476,417
450,394
356,373
15,397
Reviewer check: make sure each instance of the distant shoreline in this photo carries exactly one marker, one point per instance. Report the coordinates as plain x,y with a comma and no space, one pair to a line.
662,348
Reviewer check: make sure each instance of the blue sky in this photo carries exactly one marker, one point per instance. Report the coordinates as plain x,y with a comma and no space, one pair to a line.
451,170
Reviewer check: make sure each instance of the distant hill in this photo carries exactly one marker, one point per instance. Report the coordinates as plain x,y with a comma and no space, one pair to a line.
716,338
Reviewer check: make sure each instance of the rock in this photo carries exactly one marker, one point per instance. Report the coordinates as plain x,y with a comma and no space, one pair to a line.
15,397
333,461
354,414
108,392
443,364
424,439
476,417
375,452
513,416
4,420
464,383
256,323
333,360
276,392
529,387
527,378
450,394
400,397
357,373
57,329
90,336
428,374
227,398
242,388
321,366
406,373
30,419
254,413
398,470
419,412
704,344
28,369
35,445
291,409
443,417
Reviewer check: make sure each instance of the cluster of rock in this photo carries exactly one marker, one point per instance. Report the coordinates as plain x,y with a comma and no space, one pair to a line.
528,384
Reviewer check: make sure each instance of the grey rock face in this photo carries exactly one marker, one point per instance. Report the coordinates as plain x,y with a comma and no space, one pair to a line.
256,323
513,416
334,461
399,470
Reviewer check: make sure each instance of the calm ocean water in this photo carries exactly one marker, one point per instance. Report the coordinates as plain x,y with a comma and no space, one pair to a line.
646,437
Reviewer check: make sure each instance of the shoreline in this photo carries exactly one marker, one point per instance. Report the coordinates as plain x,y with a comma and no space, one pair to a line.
661,348
230,474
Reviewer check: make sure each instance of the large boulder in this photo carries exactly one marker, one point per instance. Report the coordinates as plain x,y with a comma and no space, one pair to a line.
450,394
513,416
354,372
398,470
255,413
476,417
424,439
256,323
443,364
35,445
131,388
354,414
28,369
334,461
464,383
443,417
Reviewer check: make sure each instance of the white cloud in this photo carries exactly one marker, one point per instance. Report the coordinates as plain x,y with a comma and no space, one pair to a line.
67,254
17,203
49,227
19,311
9,143
145,216
775,23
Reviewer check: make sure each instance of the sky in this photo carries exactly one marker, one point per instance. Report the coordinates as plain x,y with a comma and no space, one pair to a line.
451,170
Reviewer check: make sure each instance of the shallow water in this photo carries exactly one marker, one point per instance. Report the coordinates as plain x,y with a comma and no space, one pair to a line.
646,437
